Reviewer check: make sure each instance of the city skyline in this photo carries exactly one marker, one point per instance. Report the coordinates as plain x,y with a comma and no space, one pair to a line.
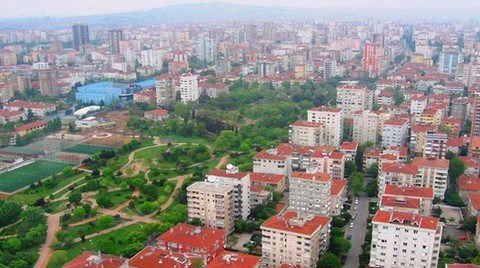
63,8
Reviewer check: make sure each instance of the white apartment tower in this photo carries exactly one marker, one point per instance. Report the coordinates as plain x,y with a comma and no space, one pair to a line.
405,240
365,126
310,193
189,90
332,118
351,98
306,134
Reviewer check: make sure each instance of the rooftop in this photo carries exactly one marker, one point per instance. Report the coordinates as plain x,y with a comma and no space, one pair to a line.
431,162
469,183
192,236
90,259
410,191
155,257
270,154
290,222
400,168
228,259
313,177
225,174
302,123
350,146
407,202
30,104
406,219
266,177
325,109
337,186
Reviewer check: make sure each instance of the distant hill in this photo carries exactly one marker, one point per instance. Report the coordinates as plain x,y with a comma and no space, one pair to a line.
221,11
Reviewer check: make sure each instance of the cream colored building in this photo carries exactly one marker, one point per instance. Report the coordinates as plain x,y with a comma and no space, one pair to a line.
433,173
189,90
351,98
405,240
294,239
332,118
165,90
307,134
213,204
310,193
365,126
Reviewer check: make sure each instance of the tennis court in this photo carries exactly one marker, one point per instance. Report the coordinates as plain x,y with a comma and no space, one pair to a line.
31,173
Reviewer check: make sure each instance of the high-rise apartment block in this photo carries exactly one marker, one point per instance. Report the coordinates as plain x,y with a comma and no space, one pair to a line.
405,240
165,90
294,239
332,118
189,90
475,132
373,59
307,134
114,38
81,36
365,126
351,98
213,204
48,83
310,193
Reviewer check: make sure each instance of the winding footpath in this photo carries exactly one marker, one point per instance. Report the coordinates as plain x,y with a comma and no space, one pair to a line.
53,223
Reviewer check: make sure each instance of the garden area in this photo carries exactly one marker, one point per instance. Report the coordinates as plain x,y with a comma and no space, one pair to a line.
87,149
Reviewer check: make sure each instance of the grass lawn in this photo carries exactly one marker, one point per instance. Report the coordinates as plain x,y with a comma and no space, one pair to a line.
151,153
92,227
111,243
57,206
119,197
86,149
30,196
26,175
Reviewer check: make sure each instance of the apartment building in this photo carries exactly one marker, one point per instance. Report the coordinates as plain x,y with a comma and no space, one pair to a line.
418,103
273,181
468,184
349,150
240,181
294,239
405,240
397,174
189,90
269,161
213,204
472,165
306,133
310,193
417,138
395,133
435,145
326,160
351,98
405,194
431,116
433,173
338,196
365,126
332,118
229,259
165,87
185,238
38,108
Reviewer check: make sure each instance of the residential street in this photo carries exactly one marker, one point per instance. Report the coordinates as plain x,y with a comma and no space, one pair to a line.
358,232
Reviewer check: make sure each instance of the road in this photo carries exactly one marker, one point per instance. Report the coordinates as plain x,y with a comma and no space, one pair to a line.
53,223
358,232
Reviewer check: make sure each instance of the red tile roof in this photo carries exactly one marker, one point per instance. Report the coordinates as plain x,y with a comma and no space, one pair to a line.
265,154
431,162
469,183
395,122
155,257
157,112
89,259
406,219
350,146
400,168
351,86
31,125
8,113
309,176
29,104
455,142
223,173
470,162
325,109
184,234
371,152
429,111
474,200
286,222
410,191
228,259
408,202
266,178
302,123
337,186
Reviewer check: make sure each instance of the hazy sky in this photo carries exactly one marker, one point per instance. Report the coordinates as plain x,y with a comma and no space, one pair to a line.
62,8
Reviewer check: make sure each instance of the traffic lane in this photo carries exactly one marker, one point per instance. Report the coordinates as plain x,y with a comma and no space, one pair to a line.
358,232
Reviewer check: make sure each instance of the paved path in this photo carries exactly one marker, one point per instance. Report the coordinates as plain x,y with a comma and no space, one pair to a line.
53,223
222,162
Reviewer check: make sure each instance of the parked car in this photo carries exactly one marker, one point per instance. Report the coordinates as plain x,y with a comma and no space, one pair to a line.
351,225
349,237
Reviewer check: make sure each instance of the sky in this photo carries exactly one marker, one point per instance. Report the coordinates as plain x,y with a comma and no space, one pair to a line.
66,8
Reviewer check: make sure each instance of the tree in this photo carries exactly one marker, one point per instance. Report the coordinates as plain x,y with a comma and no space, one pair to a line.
9,212
398,97
131,249
372,170
58,258
469,223
456,168
104,222
68,172
445,129
12,245
198,222
33,215
355,183
340,245
136,237
350,168
79,213
330,260
75,197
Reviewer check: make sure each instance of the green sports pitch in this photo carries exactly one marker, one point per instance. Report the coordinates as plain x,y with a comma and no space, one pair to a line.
31,173
86,149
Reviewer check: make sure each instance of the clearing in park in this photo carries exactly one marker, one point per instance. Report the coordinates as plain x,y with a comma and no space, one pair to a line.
86,149
31,173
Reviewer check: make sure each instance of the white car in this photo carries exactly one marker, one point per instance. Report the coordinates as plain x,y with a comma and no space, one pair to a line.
356,201
355,208
351,225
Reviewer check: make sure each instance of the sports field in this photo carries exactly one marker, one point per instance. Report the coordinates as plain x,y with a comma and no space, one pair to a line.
26,175
86,149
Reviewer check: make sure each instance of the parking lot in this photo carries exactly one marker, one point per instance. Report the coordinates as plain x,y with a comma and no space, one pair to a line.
242,239
453,215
